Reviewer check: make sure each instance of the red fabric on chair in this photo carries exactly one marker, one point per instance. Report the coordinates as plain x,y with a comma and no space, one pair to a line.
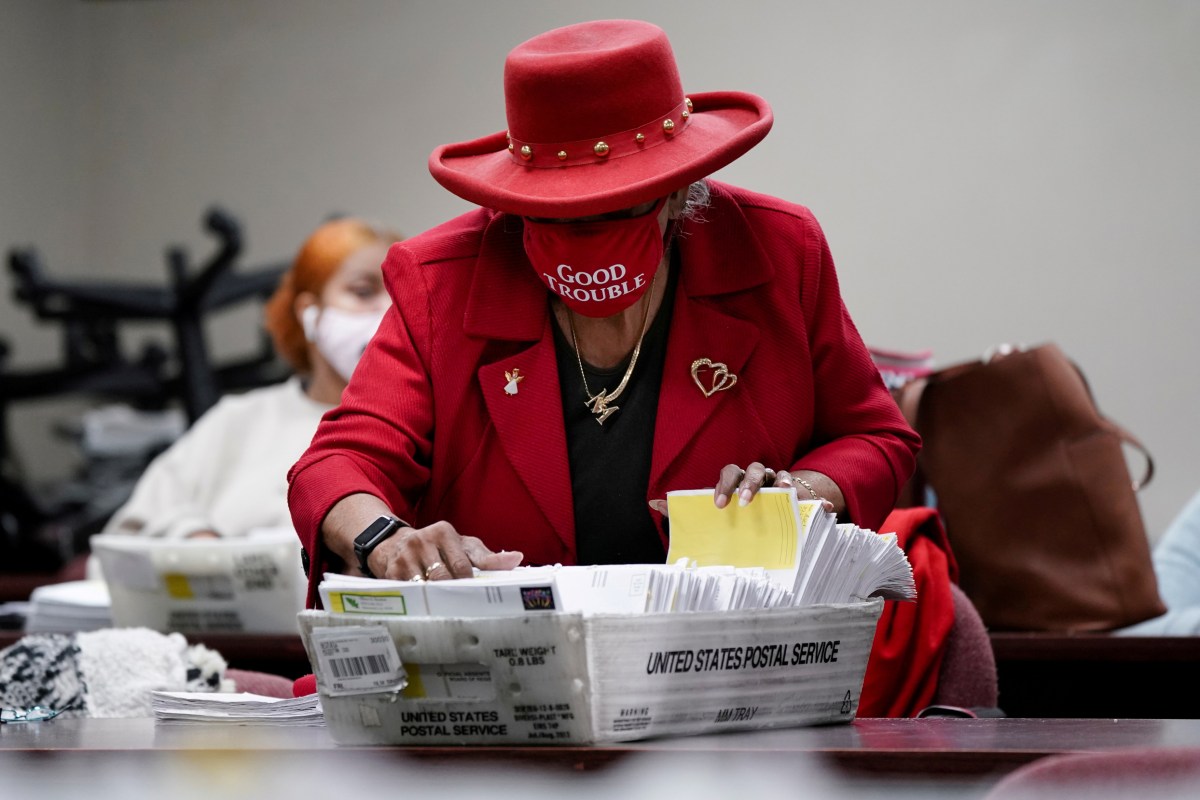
1144,773
910,639
968,676
304,685
262,683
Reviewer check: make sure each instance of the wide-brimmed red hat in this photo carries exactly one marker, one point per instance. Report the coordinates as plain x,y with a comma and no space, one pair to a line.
598,121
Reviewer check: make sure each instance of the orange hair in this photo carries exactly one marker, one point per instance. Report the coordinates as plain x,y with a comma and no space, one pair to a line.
319,258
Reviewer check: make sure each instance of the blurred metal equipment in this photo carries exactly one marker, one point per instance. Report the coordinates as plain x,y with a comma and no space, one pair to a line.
90,315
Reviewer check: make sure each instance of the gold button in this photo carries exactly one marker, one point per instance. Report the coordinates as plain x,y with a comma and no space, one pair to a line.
668,126
562,155
688,101
601,149
639,138
526,152
684,114
510,147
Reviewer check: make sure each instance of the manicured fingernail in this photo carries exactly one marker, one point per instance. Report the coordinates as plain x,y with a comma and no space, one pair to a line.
722,500
745,497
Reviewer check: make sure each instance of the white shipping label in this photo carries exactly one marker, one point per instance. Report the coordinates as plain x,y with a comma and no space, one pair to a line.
357,660
450,681
256,572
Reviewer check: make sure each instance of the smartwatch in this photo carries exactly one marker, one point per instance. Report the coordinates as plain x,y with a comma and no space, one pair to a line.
373,536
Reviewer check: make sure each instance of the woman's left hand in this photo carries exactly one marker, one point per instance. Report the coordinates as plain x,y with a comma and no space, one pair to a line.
742,483
746,483
785,479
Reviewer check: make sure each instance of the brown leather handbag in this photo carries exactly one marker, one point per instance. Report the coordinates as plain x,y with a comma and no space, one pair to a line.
1035,492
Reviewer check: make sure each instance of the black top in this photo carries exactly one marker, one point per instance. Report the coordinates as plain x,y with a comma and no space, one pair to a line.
610,463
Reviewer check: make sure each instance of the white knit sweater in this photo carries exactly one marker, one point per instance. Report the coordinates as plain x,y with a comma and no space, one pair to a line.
228,473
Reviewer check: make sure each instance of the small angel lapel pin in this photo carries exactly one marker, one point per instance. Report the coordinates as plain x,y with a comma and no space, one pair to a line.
513,379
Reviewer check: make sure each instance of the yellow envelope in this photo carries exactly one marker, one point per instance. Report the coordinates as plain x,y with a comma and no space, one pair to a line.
766,533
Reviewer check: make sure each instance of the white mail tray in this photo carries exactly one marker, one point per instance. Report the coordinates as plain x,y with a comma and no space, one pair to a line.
249,585
571,679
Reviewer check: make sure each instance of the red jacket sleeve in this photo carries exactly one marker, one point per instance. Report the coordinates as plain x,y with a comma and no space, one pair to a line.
379,439
860,438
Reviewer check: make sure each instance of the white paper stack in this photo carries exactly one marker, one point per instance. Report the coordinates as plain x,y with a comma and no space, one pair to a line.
803,555
609,589
803,558
239,709
682,588
69,607
605,589
848,563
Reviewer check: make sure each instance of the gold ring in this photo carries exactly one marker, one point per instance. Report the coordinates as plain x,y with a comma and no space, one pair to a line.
431,568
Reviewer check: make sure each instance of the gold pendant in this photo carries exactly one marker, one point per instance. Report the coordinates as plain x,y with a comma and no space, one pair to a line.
600,407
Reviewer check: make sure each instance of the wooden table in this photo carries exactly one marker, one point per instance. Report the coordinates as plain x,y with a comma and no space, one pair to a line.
914,747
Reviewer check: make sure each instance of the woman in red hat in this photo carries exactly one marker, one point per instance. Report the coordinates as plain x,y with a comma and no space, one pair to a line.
608,326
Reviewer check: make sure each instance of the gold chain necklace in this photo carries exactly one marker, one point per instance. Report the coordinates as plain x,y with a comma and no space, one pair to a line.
598,403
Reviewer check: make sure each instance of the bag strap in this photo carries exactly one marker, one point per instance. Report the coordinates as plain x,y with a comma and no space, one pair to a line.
1131,440
1125,436
908,397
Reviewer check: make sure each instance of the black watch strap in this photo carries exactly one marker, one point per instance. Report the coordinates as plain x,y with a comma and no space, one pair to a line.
373,536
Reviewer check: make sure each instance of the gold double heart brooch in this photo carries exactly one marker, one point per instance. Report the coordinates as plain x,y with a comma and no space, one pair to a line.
715,374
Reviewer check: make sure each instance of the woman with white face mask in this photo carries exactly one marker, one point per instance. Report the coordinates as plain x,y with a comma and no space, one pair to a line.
227,476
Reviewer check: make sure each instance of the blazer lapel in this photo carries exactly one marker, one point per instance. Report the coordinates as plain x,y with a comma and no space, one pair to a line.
508,302
697,332
718,257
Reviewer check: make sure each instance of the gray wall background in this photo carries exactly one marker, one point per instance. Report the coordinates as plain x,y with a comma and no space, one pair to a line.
986,172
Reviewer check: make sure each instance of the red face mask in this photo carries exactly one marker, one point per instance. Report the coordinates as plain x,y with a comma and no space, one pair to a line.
598,268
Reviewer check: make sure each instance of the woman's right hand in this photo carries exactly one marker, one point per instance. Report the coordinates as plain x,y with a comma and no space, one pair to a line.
436,552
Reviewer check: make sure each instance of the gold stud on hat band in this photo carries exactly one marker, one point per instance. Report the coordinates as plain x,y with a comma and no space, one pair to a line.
589,151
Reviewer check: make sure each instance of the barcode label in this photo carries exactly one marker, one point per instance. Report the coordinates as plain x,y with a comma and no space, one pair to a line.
357,666
357,660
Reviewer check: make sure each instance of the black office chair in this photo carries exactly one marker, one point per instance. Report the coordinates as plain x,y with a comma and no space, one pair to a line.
89,312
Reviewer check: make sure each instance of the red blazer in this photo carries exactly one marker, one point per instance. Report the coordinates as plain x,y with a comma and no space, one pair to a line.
427,426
